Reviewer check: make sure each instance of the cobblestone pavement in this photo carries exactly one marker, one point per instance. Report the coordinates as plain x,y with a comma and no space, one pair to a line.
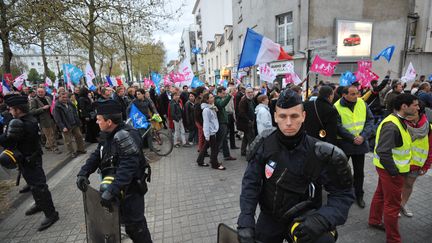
185,203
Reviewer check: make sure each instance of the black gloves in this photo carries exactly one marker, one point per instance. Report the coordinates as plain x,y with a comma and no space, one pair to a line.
246,235
107,198
82,183
311,228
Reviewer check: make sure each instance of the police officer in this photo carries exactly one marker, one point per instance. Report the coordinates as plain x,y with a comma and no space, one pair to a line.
284,176
120,156
23,136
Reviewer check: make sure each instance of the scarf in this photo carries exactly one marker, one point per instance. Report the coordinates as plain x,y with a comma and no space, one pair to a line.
290,142
419,129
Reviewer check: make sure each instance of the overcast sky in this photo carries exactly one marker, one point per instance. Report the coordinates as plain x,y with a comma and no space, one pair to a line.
171,37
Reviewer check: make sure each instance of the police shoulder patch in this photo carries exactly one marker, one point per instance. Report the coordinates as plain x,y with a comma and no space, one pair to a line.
269,168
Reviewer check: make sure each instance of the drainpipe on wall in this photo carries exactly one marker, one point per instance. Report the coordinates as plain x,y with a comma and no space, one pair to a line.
411,17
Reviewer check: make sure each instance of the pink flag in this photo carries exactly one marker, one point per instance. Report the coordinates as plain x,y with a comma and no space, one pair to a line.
167,80
364,64
292,78
147,83
53,102
364,77
176,77
19,81
323,66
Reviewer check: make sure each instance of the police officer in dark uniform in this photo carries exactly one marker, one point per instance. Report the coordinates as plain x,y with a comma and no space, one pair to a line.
285,175
22,137
120,156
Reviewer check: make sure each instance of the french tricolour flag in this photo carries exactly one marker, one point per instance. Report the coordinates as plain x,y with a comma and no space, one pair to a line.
258,49
5,87
111,81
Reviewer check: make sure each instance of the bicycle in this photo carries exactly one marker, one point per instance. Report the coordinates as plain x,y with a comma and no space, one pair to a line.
160,143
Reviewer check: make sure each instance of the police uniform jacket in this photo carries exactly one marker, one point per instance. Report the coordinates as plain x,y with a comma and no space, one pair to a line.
128,162
29,143
275,178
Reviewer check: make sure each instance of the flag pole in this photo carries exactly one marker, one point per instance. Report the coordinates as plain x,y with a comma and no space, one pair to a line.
308,63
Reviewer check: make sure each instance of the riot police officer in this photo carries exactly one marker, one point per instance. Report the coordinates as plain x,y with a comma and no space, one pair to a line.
22,136
119,157
285,174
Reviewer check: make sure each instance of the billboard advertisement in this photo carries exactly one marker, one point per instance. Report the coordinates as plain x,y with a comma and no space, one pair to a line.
354,38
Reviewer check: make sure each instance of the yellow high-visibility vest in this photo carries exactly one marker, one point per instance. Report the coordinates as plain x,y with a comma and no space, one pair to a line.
401,155
352,121
420,151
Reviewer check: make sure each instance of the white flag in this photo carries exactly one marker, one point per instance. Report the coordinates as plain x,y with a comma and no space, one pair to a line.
19,81
56,83
89,75
410,74
266,73
48,81
185,69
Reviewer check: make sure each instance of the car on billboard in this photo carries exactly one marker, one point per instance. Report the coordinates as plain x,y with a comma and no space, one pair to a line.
352,40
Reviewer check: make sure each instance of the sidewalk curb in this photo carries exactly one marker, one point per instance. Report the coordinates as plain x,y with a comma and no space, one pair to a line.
24,196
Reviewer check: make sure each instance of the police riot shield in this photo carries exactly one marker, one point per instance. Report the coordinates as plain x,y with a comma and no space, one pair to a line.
102,225
226,234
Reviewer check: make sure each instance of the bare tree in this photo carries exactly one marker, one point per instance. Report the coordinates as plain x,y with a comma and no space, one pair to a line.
10,20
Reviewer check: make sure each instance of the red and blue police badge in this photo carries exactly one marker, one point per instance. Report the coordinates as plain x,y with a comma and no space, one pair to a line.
269,168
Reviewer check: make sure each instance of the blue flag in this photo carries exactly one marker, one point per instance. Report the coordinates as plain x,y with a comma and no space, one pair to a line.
387,53
48,90
139,120
347,79
196,83
72,73
196,50
92,88
156,78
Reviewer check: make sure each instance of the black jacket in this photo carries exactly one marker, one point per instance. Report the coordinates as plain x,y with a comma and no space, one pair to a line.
328,115
86,107
29,143
66,117
246,114
163,103
190,114
176,110
129,165
256,181
374,101
124,103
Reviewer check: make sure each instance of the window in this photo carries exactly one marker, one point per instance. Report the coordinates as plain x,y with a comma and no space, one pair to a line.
284,31
39,63
226,57
209,67
32,63
240,39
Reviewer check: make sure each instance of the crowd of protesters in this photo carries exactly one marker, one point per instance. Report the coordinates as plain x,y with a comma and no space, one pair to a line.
213,117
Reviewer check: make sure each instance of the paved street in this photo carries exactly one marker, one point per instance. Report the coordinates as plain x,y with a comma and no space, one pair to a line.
185,203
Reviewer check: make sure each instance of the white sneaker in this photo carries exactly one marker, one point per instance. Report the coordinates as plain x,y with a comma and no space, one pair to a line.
406,211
